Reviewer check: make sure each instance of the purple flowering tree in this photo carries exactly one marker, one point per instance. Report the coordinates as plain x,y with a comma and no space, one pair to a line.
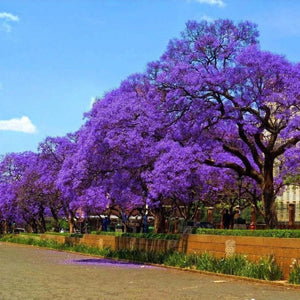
22,199
213,108
240,104
115,147
52,153
8,211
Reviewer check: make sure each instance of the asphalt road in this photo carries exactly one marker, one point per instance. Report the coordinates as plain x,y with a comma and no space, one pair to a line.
32,273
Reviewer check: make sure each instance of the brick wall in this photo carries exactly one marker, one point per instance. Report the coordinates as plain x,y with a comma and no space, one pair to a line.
58,238
131,243
284,250
101,241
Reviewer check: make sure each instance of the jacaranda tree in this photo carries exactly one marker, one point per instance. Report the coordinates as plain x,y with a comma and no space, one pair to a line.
52,153
116,146
22,196
212,109
240,104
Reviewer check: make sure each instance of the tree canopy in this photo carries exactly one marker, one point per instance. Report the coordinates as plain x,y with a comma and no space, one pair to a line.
214,107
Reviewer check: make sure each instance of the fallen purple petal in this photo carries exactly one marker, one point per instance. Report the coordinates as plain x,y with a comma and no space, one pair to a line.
109,262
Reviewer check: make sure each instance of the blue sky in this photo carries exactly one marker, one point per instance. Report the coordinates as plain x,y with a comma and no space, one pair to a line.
57,55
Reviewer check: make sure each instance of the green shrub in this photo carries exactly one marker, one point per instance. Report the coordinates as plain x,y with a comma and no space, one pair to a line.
63,224
149,235
233,265
206,262
278,233
239,265
21,239
268,269
29,234
113,233
157,257
294,276
181,260
178,260
155,236
58,233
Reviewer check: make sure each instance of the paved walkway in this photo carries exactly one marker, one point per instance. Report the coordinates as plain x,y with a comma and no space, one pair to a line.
32,273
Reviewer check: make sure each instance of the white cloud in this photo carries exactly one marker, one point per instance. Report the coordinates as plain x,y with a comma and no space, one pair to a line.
9,17
6,18
212,2
207,18
23,125
93,100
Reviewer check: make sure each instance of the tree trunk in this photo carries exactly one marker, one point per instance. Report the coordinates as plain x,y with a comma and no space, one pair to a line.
34,226
5,226
269,209
56,221
71,223
268,196
42,220
70,217
159,220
